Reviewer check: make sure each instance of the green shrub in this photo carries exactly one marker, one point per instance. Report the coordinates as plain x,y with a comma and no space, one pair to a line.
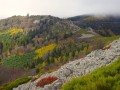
13,84
104,78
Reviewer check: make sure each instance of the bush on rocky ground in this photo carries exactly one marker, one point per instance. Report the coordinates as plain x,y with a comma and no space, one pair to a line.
46,80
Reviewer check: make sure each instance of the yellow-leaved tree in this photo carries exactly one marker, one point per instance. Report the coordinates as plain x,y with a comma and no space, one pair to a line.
44,50
12,31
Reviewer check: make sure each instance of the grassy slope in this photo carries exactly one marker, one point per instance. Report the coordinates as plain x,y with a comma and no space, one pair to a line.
104,78
13,84
108,39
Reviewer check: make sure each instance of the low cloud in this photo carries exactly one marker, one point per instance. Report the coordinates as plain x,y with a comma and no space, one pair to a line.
60,8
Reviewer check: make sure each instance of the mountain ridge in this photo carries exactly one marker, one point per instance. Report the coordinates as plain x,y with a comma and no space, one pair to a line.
100,24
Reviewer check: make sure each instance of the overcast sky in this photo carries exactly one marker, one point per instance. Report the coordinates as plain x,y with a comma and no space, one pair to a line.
60,8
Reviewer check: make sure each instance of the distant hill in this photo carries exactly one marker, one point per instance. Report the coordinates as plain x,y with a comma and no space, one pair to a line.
102,25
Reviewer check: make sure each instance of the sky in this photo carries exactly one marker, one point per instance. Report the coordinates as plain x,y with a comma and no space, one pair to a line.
59,8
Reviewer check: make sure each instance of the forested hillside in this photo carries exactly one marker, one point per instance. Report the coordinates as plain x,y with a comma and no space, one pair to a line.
106,78
31,45
104,25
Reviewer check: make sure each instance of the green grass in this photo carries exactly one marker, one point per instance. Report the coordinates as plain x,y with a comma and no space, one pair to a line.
107,40
19,61
104,78
110,39
13,84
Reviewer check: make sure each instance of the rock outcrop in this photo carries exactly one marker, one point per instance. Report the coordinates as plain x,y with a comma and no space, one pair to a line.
77,68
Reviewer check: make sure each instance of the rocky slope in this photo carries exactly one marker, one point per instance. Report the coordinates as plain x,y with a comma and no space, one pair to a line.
78,68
